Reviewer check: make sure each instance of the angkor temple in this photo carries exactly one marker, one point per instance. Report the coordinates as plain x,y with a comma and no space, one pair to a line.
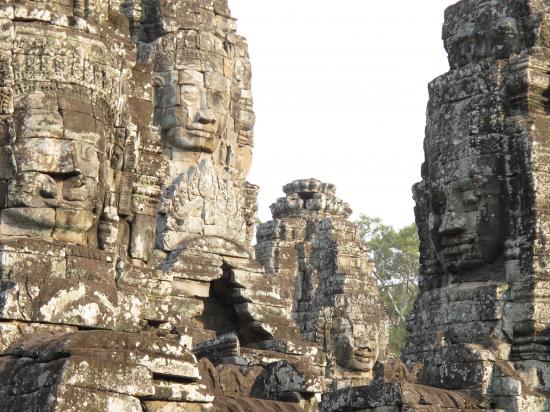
129,276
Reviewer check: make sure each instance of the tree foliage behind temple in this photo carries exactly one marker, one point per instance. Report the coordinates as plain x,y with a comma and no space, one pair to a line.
396,258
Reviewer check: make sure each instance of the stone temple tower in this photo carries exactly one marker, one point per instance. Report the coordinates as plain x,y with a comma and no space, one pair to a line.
481,205
321,262
480,328
127,278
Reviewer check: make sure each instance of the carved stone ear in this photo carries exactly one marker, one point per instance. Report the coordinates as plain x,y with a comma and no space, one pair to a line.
229,48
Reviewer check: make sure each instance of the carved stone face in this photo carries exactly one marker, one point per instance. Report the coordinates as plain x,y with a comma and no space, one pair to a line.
355,347
64,106
203,100
56,158
489,30
467,223
194,110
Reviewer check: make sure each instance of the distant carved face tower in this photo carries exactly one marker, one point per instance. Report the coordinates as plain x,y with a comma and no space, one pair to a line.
322,263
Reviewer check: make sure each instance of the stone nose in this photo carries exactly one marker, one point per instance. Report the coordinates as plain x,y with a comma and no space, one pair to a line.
453,223
206,116
49,189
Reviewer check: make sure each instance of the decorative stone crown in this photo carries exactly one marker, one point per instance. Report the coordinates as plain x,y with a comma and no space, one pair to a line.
307,196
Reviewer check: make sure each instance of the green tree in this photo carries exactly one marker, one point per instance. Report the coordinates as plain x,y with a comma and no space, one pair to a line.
395,255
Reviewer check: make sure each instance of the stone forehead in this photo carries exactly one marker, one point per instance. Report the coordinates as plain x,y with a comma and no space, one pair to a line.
445,144
209,79
460,178
209,4
46,57
205,41
459,157
202,51
213,16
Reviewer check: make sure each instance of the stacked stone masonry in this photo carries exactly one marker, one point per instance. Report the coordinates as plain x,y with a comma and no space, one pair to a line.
127,277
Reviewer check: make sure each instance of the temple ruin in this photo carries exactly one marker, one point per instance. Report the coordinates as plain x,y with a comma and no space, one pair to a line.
311,245
128,276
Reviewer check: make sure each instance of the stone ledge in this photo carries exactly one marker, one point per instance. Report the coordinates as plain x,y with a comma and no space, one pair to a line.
403,394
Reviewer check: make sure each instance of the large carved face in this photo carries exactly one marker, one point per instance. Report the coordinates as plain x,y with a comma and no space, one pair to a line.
466,219
475,30
203,100
195,107
56,158
55,143
193,78
356,347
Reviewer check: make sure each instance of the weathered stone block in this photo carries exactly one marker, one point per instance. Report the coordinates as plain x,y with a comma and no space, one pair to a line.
170,391
191,288
162,406
108,376
73,399
143,234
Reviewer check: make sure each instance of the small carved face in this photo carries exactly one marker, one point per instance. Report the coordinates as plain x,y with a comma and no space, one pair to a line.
194,110
467,222
355,349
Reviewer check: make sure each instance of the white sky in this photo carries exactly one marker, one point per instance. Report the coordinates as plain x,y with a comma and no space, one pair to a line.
340,91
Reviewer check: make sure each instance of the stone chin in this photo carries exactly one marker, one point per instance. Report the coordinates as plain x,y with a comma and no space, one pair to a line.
360,362
192,140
